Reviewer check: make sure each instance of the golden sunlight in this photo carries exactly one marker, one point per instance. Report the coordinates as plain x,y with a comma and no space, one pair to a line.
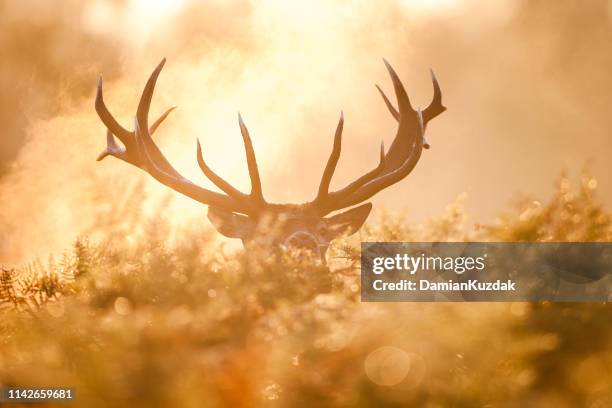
429,6
155,10
146,279
136,20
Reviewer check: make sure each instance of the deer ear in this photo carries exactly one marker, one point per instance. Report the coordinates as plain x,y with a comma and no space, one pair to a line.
230,224
347,222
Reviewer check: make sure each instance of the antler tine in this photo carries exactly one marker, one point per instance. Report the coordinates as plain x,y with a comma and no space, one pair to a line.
142,115
112,148
256,191
159,121
389,105
435,107
108,119
147,95
218,180
330,167
403,102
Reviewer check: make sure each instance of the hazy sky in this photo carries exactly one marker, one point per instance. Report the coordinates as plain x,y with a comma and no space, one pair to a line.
527,85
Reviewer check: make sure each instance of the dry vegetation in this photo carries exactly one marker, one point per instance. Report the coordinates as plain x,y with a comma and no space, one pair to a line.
146,323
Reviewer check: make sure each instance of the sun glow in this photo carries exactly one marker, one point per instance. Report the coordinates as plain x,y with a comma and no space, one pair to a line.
429,6
139,18
155,10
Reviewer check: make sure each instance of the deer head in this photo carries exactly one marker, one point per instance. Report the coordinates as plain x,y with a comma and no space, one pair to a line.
248,216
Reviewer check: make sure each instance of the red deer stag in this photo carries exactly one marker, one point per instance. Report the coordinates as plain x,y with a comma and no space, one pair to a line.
248,216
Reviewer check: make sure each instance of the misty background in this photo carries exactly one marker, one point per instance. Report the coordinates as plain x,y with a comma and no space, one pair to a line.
527,85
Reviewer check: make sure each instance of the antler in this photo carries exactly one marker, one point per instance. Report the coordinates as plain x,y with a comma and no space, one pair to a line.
399,161
141,151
